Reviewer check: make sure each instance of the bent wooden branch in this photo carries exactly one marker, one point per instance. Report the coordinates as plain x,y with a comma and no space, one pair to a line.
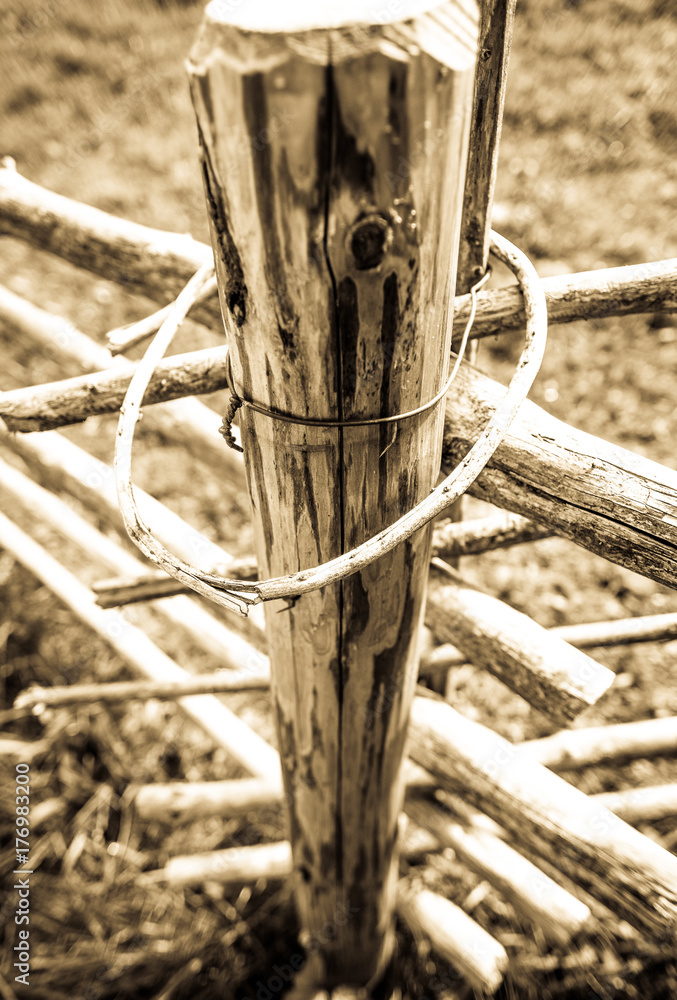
626,871
157,264
550,674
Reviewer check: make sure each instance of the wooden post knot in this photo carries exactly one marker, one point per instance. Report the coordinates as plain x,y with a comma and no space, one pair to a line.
368,241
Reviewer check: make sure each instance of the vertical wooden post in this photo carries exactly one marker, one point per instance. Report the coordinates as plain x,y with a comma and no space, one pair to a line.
491,75
334,155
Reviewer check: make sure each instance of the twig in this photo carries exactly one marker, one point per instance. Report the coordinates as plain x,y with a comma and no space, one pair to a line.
123,338
483,534
37,698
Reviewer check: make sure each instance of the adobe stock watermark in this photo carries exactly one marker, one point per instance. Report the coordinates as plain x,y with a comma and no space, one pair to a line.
284,973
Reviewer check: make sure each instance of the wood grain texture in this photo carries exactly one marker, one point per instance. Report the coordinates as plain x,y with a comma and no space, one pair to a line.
623,869
491,75
615,503
546,671
333,164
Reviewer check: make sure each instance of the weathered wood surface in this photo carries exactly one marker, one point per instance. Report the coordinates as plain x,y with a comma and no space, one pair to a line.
158,264
454,935
591,635
550,674
453,540
491,74
626,871
72,400
186,421
334,245
609,500
533,894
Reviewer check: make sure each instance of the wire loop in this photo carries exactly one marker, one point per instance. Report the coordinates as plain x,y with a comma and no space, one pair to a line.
239,595
236,400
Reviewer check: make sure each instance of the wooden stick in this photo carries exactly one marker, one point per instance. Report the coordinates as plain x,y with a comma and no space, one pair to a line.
66,466
57,404
569,750
491,75
454,936
525,886
590,635
233,865
609,500
232,650
183,801
158,264
550,674
187,421
631,874
613,291
326,258
136,649
453,540
641,805
83,694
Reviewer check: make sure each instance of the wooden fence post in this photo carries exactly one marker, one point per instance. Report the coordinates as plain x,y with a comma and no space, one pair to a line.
333,153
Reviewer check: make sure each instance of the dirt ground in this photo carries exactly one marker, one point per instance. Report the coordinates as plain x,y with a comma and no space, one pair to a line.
587,179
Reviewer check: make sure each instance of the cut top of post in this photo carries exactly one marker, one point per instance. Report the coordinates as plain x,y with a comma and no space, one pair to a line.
446,31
